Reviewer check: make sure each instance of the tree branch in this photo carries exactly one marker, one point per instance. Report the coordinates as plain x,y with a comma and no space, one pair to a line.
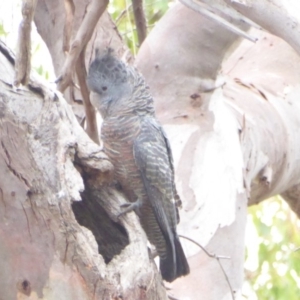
69,10
22,66
217,257
140,20
274,16
90,113
94,11
205,10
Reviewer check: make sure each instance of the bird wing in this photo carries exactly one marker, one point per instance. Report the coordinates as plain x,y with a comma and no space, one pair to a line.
178,202
152,157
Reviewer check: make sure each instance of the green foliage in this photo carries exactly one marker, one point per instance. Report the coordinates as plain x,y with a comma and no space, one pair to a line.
2,30
41,71
39,68
121,12
272,259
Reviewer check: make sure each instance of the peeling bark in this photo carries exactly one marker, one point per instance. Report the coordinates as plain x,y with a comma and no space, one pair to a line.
235,133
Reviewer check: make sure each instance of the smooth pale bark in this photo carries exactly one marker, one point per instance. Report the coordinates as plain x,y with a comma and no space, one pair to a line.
281,18
236,142
204,137
47,165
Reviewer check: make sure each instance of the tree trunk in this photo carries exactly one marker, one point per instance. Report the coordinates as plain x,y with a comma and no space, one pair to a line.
48,164
230,108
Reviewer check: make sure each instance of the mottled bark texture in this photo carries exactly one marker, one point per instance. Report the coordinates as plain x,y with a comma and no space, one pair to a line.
48,169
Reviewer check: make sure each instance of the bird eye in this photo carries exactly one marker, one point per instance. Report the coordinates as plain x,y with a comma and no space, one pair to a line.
104,88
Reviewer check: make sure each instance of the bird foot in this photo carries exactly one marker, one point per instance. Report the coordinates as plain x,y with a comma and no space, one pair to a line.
130,206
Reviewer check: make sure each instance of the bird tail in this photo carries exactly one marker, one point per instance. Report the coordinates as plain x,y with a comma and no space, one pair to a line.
175,264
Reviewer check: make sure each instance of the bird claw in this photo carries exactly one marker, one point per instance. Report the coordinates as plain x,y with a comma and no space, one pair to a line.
126,204
129,206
